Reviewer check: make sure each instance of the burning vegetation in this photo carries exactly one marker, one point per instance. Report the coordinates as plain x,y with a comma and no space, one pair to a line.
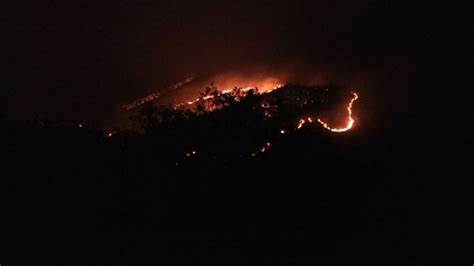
243,121
350,119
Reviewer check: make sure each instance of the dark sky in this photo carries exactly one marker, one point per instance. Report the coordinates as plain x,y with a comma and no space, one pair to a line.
81,60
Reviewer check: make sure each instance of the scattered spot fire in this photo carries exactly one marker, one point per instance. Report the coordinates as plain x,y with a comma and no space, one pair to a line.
191,153
265,147
111,133
303,121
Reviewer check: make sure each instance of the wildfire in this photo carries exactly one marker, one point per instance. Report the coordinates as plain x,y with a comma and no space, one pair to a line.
301,122
227,91
304,121
268,85
350,119
349,124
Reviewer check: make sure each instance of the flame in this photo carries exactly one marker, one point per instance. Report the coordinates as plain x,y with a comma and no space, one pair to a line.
300,123
265,147
350,119
227,91
232,79
303,121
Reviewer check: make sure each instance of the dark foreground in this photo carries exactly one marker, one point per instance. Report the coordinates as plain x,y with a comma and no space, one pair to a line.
374,196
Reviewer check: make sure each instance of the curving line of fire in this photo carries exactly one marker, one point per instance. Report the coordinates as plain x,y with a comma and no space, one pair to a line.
349,124
303,121
350,119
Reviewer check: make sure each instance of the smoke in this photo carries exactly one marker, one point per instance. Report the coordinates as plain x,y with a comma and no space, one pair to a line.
259,76
263,77
87,69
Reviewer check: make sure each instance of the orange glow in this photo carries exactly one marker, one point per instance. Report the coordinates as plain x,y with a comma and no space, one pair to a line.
226,82
264,84
350,119
301,122
227,91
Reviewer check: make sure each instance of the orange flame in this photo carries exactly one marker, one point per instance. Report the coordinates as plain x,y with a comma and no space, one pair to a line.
301,123
304,121
226,91
350,119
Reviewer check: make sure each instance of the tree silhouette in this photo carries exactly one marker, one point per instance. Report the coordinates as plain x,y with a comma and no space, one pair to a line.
234,122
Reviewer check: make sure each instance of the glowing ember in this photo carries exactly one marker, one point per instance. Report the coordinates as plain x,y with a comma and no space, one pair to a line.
227,91
111,133
301,123
191,153
265,147
350,119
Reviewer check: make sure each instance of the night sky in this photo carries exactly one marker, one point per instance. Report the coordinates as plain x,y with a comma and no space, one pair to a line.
82,60
244,184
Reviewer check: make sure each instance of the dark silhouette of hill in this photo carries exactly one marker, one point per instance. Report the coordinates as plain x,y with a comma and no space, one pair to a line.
76,196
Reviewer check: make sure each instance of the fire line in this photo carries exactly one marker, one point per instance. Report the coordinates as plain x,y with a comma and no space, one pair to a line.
350,119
